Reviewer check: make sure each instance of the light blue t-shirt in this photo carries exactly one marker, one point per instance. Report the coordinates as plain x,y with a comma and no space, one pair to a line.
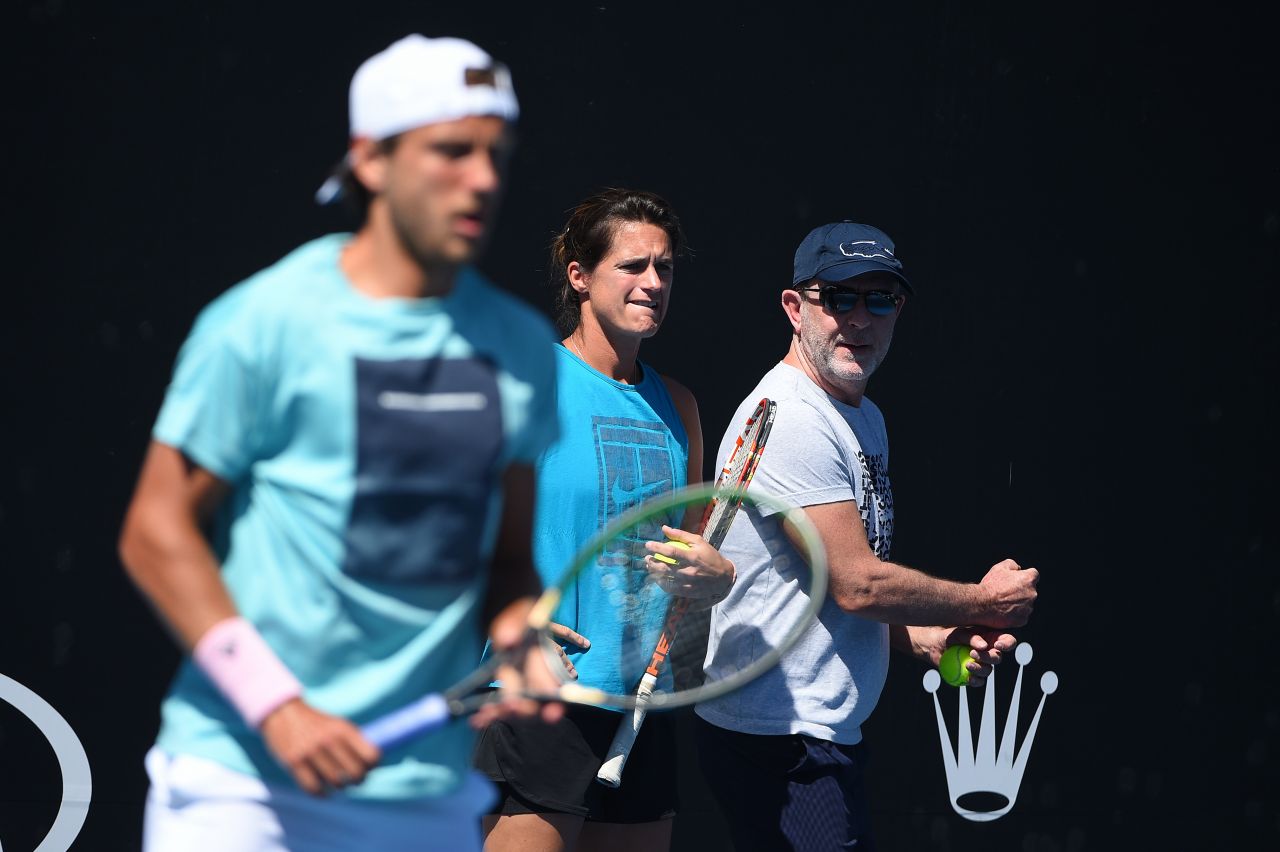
365,440
619,445
820,451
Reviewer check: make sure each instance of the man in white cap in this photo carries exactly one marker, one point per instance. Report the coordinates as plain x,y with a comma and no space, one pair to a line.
338,493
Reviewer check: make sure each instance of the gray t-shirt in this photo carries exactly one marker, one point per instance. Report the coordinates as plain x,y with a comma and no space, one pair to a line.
819,451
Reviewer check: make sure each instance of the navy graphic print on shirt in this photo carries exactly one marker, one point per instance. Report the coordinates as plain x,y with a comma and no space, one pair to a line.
634,463
428,435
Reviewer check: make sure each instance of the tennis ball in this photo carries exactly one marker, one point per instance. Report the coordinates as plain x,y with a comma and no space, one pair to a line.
953,667
667,559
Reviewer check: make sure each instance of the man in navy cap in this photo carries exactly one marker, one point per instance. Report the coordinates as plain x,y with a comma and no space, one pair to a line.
784,755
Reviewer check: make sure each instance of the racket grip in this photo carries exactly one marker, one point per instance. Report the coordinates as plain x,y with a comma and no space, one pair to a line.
610,774
421,717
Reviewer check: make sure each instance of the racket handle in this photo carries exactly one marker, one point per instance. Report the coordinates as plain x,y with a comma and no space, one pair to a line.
610,774
421,717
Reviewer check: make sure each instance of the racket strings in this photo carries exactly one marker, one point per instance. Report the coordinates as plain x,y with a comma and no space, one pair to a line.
685,679
665,635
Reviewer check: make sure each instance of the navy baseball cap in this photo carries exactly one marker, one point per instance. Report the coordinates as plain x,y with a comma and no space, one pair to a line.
844,250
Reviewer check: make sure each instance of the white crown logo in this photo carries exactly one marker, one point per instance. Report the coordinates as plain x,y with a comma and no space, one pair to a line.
984,785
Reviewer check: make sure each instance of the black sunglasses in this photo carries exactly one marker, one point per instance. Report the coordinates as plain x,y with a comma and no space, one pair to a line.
839,300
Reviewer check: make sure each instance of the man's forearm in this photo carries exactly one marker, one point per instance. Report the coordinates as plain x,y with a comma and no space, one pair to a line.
514,585
896,594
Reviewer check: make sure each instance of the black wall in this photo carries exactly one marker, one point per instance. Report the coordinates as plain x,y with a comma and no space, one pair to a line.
1087,199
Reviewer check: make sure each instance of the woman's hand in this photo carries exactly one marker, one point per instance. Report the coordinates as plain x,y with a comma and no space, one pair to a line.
692,568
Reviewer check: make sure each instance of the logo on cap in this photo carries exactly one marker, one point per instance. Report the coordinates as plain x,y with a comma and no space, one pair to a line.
869,250
481,77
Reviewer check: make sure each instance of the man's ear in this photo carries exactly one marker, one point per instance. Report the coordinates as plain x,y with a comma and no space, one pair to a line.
368,162
791,307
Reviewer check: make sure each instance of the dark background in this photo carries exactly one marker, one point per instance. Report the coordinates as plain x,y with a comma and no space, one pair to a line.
1087,200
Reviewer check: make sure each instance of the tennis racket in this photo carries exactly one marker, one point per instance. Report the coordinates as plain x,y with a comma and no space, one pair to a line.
617,561
730,490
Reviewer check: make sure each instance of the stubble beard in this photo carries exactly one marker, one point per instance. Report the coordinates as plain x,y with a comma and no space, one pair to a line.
837,366
412,230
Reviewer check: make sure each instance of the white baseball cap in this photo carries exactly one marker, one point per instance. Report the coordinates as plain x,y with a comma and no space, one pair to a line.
420,80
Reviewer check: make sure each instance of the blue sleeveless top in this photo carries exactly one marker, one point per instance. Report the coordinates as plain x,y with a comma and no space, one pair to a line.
619,445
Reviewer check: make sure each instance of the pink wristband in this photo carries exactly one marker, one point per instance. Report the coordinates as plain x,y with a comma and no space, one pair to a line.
239,662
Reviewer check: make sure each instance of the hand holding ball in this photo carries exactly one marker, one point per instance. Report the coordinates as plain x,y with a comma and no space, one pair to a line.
667,559
953,666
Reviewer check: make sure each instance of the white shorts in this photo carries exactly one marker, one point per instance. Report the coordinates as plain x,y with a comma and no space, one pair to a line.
196,805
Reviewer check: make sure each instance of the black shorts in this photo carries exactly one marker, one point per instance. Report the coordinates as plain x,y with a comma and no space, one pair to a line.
541,768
